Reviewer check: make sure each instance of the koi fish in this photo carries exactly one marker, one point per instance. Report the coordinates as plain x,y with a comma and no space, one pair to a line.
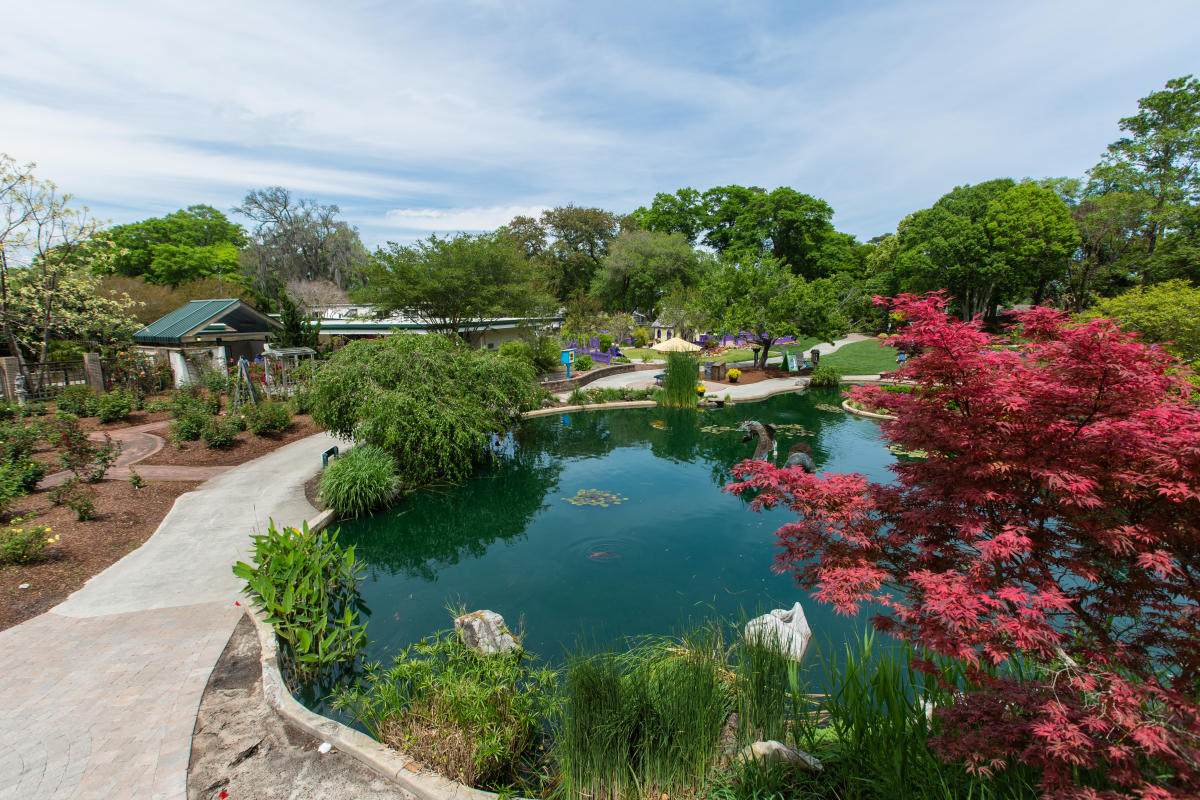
603,554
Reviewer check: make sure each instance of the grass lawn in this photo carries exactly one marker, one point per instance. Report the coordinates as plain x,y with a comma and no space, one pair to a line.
862,358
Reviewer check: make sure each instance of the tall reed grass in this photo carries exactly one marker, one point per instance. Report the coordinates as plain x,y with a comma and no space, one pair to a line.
679,381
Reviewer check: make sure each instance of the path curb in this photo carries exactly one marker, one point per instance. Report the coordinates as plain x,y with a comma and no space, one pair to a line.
868,414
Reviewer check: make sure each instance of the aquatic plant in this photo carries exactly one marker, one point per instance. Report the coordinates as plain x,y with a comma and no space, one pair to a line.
679,381
595,497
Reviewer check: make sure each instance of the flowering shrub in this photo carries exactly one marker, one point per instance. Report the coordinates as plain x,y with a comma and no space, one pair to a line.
21,545
733,374
1048,542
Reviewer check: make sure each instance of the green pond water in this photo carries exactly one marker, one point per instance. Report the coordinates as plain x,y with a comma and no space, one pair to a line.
675,547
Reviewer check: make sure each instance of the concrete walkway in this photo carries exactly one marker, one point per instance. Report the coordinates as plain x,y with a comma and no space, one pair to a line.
753,391
98,696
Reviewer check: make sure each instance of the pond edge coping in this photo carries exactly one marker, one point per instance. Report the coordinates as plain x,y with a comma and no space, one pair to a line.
387,762
868,414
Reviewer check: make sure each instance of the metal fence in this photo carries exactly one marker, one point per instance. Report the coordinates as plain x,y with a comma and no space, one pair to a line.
47,380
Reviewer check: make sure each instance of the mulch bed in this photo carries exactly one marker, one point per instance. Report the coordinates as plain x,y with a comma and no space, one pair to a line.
134,419
754,375
125,518
246,447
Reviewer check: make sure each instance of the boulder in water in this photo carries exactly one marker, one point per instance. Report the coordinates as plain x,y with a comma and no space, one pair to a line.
785,628
485,632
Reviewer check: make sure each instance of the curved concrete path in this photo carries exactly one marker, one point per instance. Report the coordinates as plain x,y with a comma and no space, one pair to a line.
98,696
752,391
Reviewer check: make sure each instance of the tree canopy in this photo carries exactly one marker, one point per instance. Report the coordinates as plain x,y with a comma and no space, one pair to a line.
1047,542
454,284
641,267
193,243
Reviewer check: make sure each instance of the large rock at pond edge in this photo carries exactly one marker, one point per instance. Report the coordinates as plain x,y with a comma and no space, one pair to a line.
773,752
485,632
788,629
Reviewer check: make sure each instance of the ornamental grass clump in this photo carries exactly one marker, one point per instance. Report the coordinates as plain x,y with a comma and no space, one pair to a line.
646,722
475,718
679,381
360,481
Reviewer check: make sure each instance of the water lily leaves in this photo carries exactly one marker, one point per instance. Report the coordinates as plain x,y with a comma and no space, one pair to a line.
595,497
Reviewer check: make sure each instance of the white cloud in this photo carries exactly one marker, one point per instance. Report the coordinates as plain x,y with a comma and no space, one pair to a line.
457,219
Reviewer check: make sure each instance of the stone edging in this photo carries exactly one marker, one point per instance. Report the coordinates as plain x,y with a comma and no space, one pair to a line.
547,412
386,761
587,376
868,414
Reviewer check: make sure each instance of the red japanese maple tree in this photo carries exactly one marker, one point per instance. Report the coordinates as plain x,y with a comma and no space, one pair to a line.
1055,519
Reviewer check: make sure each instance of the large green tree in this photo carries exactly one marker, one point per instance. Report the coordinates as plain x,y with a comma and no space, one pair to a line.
763,298
193,243
746,221
1167,312
580,239
1033,235
298,239
1159,158
643,266
454,284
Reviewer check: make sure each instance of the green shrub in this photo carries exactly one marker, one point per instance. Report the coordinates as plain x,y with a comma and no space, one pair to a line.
114,405
78,400
605,341
29,472
77,496
359,481
308,587
220,432
547,355
641,337
583,362
825,375
476,718
577,397
679,381
158,404
430,401
10,487
18,439
269,416
87,459
516,348
20,544
188,427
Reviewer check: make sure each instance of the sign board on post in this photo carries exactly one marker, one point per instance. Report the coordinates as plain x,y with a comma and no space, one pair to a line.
793,364
568,358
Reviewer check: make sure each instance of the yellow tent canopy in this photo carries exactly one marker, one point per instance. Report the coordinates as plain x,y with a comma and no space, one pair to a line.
676,345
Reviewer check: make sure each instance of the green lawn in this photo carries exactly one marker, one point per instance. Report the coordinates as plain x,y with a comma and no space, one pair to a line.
862,358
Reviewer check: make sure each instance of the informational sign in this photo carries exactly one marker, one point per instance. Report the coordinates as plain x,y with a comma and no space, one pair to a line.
568,358
793,363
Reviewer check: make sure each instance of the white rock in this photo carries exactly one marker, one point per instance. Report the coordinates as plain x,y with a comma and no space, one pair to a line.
773,752
485,632
786,628
23,586
324,748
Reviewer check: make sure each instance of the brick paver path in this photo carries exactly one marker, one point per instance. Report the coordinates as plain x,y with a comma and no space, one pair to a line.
98,696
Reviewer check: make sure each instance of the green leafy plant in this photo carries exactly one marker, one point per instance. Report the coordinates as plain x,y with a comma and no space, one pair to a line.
220,432
360,481
307,586
135,479
76,495
577,397
28,471
733,374
187,427
23,545
78,399
476,718
583,362
641,337
825,375
89,460
605,341
269,416
115,405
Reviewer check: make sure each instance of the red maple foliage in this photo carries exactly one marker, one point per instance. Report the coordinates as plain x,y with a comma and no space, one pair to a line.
1056,521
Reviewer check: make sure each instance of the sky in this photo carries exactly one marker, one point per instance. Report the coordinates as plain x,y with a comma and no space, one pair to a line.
434,117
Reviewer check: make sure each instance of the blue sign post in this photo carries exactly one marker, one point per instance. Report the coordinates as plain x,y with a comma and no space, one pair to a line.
568,358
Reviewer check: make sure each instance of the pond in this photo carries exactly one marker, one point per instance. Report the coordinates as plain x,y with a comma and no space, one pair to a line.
603,525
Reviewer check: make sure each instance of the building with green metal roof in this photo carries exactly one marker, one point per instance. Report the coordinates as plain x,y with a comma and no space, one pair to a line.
241,329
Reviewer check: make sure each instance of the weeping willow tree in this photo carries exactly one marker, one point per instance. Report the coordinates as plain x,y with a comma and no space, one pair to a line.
430,401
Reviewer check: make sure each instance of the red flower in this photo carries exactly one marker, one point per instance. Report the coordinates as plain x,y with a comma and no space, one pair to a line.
223,794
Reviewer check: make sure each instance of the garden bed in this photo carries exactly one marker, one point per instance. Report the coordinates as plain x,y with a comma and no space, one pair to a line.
246,447
125,518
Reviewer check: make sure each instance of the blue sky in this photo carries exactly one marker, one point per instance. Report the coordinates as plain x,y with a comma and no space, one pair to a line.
438,116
